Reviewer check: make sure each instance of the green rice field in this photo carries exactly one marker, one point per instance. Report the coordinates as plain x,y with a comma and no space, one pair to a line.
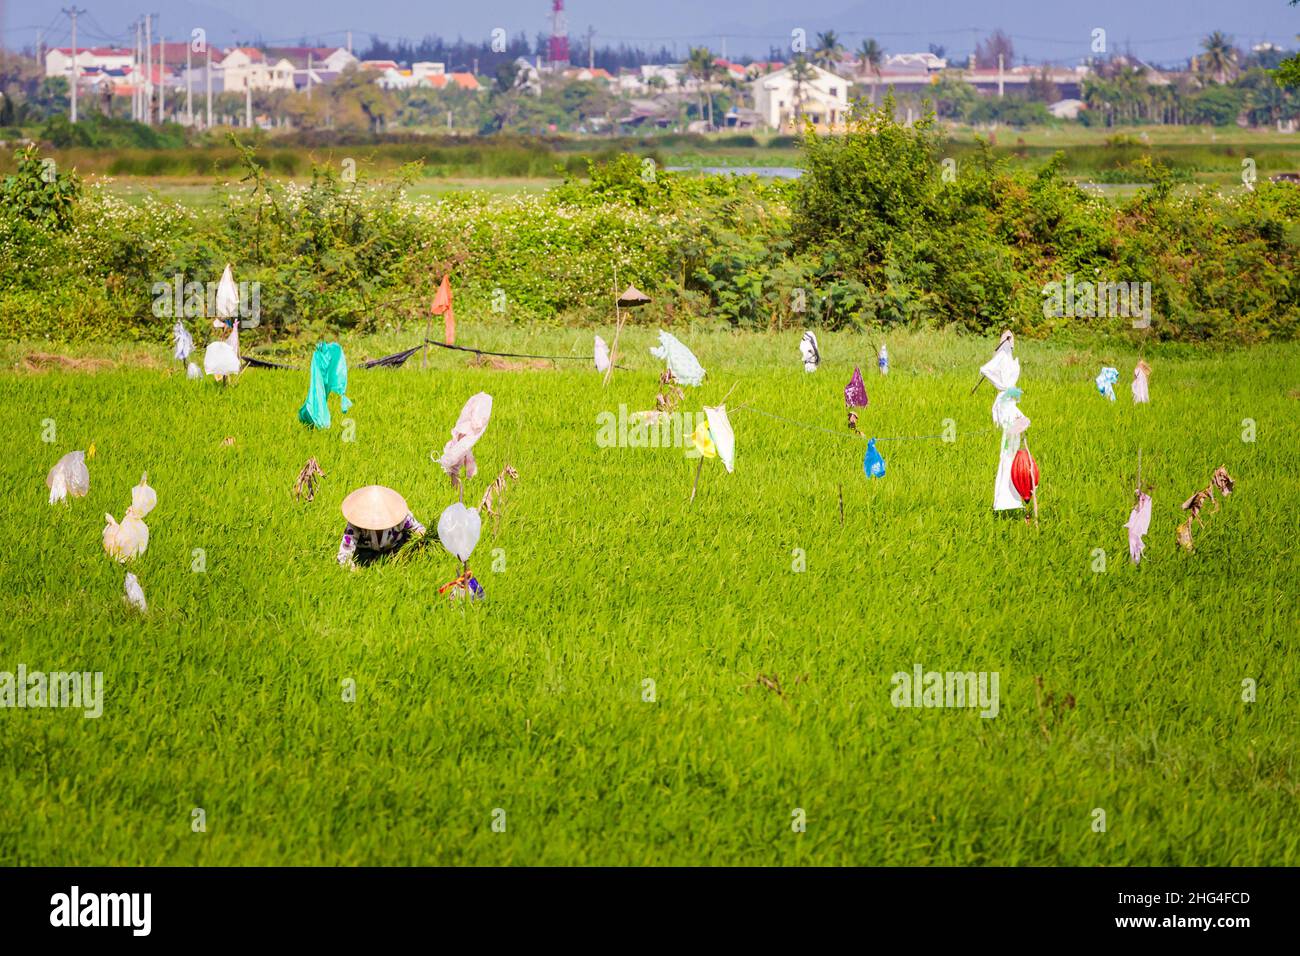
650,680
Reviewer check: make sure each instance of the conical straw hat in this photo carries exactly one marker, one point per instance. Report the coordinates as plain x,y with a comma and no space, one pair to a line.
632,297
375,508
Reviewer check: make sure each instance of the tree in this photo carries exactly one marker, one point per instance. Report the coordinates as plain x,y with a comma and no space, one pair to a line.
700,65
871,56
829,51
1266,102
1220,59
1288,71
1218,106
1041,89
802,72
952,96
988,50
357,88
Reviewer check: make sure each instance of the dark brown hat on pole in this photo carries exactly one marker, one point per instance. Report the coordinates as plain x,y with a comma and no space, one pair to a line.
633,297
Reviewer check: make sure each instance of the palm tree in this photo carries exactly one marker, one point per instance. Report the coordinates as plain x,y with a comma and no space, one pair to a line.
802,72
829,50
700,65
871,55
1220,56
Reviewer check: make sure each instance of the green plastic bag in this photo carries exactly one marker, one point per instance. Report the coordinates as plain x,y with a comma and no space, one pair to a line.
329,373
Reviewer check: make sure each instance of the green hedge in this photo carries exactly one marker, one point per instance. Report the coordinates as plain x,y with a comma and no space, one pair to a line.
879,231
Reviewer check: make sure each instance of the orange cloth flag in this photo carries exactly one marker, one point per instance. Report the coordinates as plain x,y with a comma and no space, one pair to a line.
442,306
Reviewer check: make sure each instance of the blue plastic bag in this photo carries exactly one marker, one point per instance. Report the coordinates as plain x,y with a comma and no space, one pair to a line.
872,463
1106,382
329,373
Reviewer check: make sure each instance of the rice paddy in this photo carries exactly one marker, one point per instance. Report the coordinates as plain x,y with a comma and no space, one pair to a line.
651,680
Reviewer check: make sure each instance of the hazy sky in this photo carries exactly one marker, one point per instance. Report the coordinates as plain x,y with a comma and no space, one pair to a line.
1157,30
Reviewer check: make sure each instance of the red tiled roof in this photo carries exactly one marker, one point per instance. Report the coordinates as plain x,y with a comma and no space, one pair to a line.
466,81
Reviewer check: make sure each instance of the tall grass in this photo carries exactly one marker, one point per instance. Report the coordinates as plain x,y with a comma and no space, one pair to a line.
228,695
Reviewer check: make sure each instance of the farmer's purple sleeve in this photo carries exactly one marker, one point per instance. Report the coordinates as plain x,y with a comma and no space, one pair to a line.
412,524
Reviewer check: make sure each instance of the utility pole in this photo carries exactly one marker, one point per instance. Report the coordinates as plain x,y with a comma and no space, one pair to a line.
72,13
1000,58
309,69
591,50
207,78
349,41
189,88
135,74
148,69
248,101
162,79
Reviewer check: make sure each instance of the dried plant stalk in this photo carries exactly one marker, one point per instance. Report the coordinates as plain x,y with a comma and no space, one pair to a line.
495,493
307,480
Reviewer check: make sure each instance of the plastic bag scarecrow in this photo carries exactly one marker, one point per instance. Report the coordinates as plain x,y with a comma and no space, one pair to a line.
378,522
221,359
458,454
459,527
69,476
682,363
329,373
182,342
128,540
600,354
442,305
872,463
714,438
182,348
458,530
1003,371
1141,376
1106,380
855,396
808,351
1139,522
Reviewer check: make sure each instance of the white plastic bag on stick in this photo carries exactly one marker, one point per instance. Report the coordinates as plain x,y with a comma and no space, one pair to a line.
458,530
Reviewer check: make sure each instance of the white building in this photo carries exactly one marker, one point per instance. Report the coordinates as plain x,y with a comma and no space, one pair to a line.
821,97
58,61
247,68
670,74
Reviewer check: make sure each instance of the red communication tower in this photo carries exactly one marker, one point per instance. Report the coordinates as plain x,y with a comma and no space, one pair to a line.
558,48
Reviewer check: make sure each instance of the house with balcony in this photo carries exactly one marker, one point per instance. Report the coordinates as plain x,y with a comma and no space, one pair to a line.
785,98
248,68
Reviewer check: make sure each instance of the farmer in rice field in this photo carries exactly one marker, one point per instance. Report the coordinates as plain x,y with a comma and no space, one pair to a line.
379,522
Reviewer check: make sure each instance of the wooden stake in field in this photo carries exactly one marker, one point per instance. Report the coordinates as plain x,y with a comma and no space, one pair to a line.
631,298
